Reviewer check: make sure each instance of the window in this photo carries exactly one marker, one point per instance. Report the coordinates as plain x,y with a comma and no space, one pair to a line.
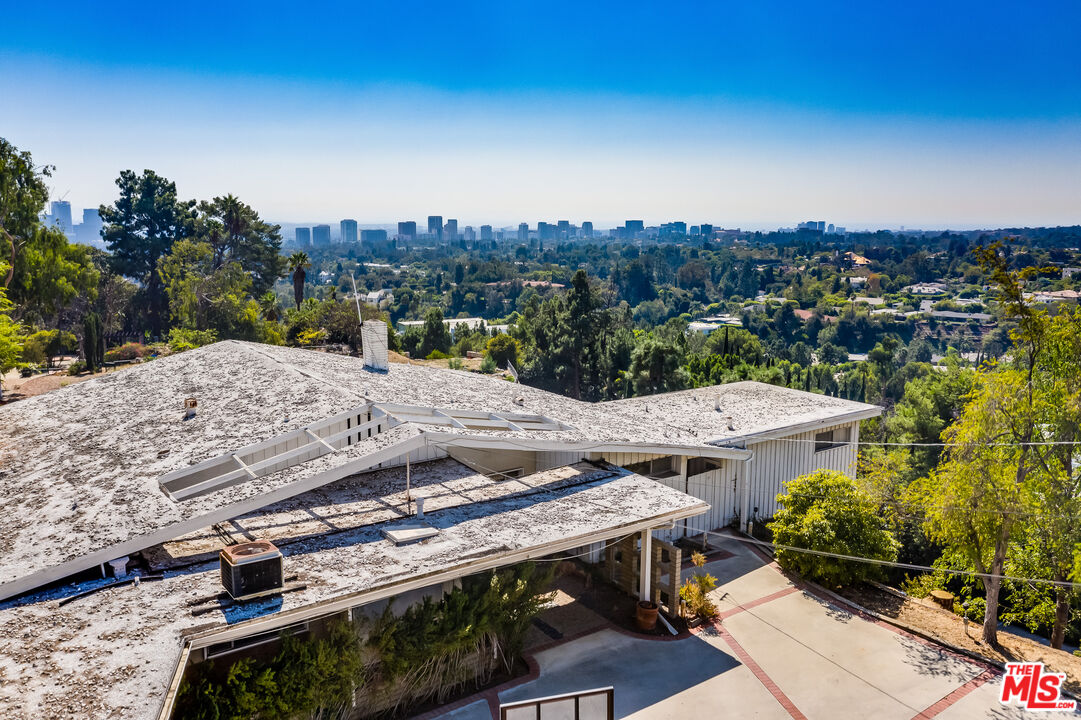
697,466
657,468
830,439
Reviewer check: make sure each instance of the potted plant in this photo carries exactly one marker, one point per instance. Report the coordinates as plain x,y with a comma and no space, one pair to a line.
646,615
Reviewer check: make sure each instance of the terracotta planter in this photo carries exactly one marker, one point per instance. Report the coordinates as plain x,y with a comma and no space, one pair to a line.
646,615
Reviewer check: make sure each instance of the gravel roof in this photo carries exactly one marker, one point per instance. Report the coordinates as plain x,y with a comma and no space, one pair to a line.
113,655
742,411
79,466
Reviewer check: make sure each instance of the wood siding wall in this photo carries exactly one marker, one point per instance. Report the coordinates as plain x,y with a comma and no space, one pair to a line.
775,462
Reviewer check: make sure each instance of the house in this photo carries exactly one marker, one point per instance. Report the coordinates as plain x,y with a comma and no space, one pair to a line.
119,493
380,299
473,323
857,260
1048,297
931,288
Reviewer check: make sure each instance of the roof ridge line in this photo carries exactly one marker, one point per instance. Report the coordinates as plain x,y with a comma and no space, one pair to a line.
255,348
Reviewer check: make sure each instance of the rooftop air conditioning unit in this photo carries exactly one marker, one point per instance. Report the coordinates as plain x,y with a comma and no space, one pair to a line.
250,570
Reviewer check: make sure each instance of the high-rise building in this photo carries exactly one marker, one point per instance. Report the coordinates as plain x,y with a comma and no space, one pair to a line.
407,230
634,228
61,215
563,230
349,231
485,233
523,232
304,237
469,234
377,236
89,231
707,230
587,229
435,226
321,236
545,231
450,230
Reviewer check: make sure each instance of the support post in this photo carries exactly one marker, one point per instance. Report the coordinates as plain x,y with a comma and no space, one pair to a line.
645,570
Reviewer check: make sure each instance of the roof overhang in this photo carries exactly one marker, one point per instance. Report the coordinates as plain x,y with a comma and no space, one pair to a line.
226,512
490,561
741,441
538,444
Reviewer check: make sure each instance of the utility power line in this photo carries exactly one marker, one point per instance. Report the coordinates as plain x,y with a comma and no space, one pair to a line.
890,563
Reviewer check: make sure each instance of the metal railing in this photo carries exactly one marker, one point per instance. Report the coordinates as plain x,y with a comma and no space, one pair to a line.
596,704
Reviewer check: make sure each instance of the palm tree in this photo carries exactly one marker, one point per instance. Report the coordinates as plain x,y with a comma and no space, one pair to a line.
268,305
298,261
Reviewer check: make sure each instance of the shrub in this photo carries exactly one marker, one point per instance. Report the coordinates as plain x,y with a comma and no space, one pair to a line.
76,368
422,653
127,351
436,355
826,511
695,592
455,363
312,337
487,365
181,339
503,349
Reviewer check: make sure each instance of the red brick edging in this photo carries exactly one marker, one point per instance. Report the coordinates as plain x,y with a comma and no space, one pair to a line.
956,695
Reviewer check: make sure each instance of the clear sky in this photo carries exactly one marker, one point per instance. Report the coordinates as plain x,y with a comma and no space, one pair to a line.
756,114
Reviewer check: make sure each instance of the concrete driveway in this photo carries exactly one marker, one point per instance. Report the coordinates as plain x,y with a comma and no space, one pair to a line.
778,652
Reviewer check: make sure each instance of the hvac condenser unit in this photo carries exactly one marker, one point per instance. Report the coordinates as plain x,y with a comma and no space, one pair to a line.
251,569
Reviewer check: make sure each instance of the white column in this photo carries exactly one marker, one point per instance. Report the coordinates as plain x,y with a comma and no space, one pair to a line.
645,565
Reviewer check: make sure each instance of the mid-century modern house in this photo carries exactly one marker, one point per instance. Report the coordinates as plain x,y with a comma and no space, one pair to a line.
357,480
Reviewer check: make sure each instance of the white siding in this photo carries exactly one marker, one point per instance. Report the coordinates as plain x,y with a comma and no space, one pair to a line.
546,460
775,462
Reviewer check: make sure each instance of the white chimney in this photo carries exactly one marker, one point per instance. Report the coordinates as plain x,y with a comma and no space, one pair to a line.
373,342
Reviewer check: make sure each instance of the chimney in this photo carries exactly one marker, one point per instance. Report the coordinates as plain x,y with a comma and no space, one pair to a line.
373,342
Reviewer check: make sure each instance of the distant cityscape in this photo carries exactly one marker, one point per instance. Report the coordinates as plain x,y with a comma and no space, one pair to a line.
88,232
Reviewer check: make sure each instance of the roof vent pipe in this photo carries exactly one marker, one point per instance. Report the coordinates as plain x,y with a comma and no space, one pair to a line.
420,506
717,403
373,341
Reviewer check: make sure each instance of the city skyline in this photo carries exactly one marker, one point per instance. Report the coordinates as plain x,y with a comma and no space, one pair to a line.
876,117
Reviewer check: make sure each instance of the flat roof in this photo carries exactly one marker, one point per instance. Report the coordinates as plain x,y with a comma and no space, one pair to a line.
372,497
115,654
79,467
745,411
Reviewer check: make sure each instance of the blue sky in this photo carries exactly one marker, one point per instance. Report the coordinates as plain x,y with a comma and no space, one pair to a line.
754,115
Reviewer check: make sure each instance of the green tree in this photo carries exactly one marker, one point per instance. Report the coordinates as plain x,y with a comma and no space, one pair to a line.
93,342
140,228
973,501
235,233
435,335
826,511
11,336
23,195
503,349
297,264
655,366
50,273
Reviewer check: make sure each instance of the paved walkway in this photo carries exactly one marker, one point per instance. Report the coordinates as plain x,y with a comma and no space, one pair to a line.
777,652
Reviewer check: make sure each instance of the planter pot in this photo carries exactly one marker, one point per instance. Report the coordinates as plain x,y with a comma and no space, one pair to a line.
646,615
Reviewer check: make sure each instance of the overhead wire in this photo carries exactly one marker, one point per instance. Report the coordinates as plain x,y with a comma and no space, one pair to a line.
893,564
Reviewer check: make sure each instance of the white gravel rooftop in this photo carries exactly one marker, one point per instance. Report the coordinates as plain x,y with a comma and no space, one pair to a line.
112,655
79,466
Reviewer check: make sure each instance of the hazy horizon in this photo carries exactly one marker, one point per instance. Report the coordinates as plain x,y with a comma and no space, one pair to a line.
752,117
